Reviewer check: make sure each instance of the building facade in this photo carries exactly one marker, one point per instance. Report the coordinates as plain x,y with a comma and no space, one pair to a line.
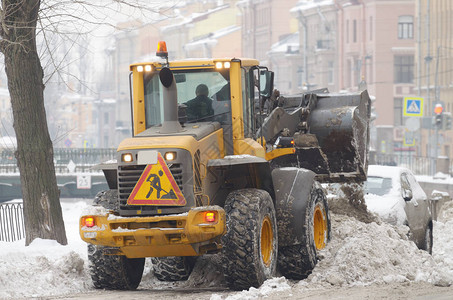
434,71
318,32
263,23
376,48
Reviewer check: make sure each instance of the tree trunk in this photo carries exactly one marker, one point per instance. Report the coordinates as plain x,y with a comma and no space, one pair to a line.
42,210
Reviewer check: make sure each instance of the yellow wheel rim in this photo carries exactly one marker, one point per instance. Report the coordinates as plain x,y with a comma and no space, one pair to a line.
319,227
267,237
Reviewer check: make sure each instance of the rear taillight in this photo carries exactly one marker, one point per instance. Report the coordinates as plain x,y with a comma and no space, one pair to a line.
209,217
89,222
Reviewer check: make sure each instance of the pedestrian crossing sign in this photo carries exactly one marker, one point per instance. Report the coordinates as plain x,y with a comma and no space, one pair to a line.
413,107
156,186
409,139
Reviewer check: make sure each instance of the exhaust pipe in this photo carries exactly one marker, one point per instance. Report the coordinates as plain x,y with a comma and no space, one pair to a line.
170,95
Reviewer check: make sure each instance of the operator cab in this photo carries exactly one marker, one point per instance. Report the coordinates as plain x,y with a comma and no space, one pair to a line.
208,92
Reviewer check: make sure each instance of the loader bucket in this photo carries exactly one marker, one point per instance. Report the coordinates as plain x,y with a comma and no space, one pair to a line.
341,124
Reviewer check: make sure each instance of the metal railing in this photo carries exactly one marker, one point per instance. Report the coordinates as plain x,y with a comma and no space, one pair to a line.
83,159
12,226
59,169
419,165
80,156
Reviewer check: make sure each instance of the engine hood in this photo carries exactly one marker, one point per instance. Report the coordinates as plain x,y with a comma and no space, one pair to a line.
390,208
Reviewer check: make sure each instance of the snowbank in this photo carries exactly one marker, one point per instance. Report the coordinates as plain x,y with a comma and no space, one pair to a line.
45,267
363,254
359,254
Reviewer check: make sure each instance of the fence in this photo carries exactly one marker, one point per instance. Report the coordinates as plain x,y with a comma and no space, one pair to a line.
11,222
84,159
64,156
419,165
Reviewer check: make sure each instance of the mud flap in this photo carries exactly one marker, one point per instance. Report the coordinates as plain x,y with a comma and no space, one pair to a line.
292,188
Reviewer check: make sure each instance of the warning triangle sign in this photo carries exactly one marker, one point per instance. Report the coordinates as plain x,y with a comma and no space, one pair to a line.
156,186
413,107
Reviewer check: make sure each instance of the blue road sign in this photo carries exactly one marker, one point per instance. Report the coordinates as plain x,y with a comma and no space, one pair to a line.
413,107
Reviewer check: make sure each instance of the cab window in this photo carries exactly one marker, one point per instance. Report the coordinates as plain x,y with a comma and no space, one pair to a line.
216,93
248,102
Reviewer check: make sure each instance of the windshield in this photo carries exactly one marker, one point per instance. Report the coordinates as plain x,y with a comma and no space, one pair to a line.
378,185
205,93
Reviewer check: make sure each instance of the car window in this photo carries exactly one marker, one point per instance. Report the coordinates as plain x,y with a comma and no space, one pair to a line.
378,185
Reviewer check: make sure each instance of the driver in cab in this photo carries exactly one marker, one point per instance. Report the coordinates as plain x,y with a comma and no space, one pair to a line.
200,107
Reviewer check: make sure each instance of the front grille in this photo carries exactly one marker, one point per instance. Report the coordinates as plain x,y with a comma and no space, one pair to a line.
127,179
176,171
129,175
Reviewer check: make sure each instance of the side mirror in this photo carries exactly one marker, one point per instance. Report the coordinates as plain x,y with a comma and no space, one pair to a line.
266,83
407,194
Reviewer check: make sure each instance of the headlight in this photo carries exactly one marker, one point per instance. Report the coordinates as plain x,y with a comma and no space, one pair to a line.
169,156
127,157
222,65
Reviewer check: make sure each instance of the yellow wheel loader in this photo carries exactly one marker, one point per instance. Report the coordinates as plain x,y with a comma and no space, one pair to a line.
219,162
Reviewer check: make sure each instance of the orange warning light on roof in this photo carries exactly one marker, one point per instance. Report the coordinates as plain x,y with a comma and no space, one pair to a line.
162,49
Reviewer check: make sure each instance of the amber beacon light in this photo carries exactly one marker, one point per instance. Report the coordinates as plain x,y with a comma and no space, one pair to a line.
162,49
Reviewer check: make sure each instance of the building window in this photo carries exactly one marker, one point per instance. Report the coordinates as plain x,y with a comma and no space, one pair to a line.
405,27
357,71
371,28
300,77
369,68
354,33
447,150
349,74
323,44
330,72
404,69
347,31
398,111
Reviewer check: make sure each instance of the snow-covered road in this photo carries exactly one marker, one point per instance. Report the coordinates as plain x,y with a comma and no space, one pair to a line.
362,260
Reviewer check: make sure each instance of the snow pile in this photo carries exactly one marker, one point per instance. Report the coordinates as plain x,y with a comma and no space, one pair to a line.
359,254
41,272
443,238
45,267
269,287
362,254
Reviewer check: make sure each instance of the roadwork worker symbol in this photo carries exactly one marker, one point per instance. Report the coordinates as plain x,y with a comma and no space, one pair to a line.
154,182
156,186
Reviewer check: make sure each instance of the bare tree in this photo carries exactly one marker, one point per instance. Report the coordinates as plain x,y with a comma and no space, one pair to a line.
19,20
34,154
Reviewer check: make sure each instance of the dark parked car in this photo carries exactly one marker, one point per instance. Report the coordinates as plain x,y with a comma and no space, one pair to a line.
394,194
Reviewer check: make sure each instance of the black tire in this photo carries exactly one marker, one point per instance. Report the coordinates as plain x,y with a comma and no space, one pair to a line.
298,261
250,243
173,268
108,199
428,241
114,272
